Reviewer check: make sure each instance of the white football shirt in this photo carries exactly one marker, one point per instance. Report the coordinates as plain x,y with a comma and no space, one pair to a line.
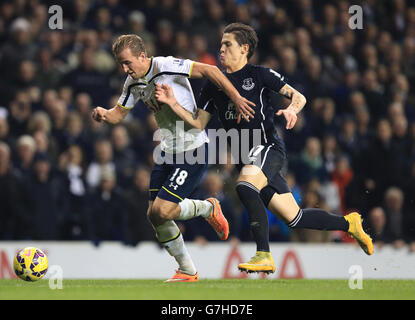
175,137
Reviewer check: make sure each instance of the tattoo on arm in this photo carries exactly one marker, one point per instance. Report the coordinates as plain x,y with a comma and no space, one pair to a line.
287,91
297,104
297,99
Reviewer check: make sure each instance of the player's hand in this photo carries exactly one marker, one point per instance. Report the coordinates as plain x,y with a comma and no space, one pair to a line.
243,109
99,114
164,94
290,117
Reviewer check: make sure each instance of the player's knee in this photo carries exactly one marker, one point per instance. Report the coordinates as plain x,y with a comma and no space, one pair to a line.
266,195
159,213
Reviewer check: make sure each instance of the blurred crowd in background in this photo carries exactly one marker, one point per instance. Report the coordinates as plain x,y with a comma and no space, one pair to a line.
65,177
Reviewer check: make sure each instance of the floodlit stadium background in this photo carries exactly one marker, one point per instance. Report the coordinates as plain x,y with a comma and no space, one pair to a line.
69,178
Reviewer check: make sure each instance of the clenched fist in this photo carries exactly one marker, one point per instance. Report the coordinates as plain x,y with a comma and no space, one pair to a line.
99,114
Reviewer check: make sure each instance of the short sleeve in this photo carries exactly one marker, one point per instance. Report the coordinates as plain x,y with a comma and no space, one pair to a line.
206,98
176,66
127,100
272,79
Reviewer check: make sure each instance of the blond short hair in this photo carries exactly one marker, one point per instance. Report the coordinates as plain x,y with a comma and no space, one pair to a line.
132,41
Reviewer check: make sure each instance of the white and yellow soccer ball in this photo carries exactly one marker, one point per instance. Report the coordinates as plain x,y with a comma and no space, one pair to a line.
30,264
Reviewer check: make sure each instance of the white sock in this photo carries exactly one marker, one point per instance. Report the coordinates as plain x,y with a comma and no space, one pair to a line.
178,250
169,236
194,208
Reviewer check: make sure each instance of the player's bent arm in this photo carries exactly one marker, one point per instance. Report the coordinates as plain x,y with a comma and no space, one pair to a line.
164,94
111,116
216,76
199,119
298,100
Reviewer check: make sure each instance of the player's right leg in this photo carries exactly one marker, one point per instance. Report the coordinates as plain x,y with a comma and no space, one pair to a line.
179,186
286,208
170,238
167,232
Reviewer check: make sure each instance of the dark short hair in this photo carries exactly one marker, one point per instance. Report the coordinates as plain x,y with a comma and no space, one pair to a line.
132,41
244,34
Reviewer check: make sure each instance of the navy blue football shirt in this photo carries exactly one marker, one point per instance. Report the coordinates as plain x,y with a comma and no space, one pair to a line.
257,84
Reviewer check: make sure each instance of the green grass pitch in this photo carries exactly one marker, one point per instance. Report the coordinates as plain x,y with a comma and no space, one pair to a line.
226,289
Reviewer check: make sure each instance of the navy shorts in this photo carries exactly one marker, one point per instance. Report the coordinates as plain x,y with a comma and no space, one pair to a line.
178,177
271,159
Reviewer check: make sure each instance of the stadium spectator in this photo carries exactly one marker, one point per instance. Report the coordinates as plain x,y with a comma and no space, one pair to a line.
364,132
11,209
18,48
342,176
330,152
45,199
310,163
165,37
124,157
72,168
25,152
5,128
108,212
396,217
86,78
139,228
328,192
295,139
83,104
373,93
338,60
45,145
381,161
347,137
103,162
137,25
316,82
20,110
328,120
200,46
187,17
377,226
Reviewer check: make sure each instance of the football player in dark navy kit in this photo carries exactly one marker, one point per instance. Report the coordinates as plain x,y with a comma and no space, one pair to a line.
260,182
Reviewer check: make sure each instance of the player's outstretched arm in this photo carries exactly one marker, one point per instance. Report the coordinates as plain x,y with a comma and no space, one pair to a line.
298,102
242,105
111,116
164,94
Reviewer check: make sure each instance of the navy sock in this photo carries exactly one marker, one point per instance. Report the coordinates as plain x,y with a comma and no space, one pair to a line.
319,220
257,214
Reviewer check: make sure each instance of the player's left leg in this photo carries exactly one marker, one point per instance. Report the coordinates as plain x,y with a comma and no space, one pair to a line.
250,181
249,184
286,208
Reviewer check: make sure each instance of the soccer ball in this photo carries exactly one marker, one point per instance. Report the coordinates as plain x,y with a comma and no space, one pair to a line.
30,264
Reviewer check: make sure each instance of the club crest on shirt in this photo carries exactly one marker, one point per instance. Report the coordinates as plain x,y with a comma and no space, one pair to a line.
248,84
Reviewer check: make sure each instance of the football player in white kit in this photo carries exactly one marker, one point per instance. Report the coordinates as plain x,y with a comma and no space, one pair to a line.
171,183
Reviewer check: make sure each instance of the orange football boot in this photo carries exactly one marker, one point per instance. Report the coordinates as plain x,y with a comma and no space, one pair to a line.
217,220
183,277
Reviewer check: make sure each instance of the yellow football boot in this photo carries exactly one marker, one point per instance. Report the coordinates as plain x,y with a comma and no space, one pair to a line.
260,262
357,232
